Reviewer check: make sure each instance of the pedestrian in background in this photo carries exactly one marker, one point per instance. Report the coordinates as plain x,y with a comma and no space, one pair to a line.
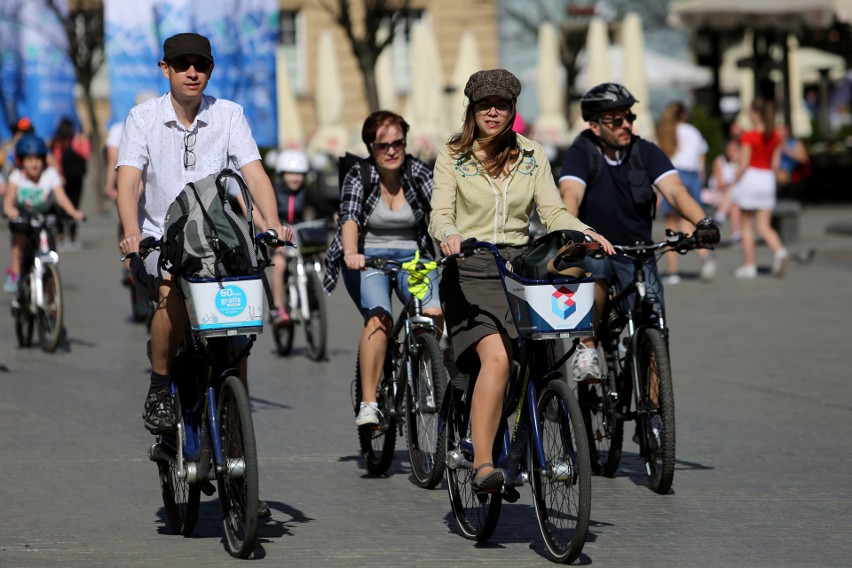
70,151
754,191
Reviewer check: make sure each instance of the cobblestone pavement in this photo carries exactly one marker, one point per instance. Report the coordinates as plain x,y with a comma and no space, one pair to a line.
764,411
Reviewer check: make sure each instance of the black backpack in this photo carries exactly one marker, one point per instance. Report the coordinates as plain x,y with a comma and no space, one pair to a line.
203,236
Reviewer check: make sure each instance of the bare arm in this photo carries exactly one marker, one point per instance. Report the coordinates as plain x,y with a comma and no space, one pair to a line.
110,189
263,197
128,192
9,207
349,237
62,200
571,191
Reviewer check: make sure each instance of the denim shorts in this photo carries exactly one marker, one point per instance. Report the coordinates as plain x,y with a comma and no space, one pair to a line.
692,182
370,289
619,269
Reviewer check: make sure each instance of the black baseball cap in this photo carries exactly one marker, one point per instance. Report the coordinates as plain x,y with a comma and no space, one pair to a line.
187,44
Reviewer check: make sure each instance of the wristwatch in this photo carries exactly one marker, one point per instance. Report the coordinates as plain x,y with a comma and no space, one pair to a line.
704,222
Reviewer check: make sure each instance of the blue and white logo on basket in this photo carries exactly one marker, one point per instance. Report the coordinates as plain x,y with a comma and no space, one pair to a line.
561,302
563,308
231,301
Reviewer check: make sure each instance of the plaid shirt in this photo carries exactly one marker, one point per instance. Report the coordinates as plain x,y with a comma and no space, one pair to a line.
358,202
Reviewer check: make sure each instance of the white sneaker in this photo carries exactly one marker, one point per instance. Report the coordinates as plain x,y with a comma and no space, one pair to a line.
368,415
780,262
708,268
747,271
671,279
585,367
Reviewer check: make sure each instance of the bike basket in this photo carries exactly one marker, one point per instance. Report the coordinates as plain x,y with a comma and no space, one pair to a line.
555,309
312,239
230,306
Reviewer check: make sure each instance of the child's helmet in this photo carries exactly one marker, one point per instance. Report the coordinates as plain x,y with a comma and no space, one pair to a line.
292,161
30,145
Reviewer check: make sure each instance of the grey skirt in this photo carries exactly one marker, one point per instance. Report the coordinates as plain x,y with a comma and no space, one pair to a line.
474,303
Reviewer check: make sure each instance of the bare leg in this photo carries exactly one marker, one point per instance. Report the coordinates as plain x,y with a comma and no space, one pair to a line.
167,327
487,404
763,219
747,225
372,348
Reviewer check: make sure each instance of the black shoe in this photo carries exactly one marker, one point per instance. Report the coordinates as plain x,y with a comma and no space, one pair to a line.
159,416
263,511
488,483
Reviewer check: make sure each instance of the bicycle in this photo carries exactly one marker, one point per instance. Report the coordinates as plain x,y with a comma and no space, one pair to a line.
305,296
409,390
547,446
39,297
634,342
214,438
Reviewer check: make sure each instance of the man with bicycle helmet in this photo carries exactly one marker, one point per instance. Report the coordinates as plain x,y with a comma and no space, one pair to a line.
33,187
607,180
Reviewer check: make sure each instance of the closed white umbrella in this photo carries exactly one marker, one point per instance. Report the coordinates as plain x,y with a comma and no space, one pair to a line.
468,62
425,110
330,137
291,135
746,83
550,127
635,74
597,53
800,123
385,86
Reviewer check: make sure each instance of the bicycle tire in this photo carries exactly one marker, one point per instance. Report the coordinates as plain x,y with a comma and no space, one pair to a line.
24,319
604,425
180,499
237,476
657,427
475,514
562,488
425,445
377,443
51,313
316,326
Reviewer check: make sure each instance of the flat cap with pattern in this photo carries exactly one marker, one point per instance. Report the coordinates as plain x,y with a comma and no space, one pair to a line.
492,82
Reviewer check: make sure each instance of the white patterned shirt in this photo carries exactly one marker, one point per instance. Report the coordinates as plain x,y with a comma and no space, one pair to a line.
154,141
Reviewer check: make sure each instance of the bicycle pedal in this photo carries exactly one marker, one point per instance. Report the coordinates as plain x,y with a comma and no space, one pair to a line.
510,495
206,487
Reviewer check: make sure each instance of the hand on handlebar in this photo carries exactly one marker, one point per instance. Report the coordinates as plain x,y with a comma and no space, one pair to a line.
451,245
354,261
601,240
706,232
130,244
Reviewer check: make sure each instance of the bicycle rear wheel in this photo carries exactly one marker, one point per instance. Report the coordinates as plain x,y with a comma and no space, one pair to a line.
237,475
657,425
180,499
316,326
476,513
604,425
24,319
378,442
425,445
50,317
562,486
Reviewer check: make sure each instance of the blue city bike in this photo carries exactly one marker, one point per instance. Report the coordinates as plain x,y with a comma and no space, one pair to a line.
546,445
214,439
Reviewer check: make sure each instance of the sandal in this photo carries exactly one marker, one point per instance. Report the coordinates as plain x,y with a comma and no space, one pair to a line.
282,318
489,483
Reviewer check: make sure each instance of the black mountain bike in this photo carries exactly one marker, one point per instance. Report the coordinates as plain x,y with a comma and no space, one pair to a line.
409,391
637,376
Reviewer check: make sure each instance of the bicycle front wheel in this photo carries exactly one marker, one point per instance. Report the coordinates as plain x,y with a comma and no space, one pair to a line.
476,513
180,499
425,447
377,442
50,317
316,326
657,421
237,475
562,486
604,425
24,318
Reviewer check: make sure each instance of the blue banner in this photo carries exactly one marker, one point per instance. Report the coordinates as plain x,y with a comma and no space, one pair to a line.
242,33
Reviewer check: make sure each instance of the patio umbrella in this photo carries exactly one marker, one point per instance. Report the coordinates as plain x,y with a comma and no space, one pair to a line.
425,110
597,53
468,62
667,71
330,137
290,132
550,127
385,86
800,123
635,73
746,83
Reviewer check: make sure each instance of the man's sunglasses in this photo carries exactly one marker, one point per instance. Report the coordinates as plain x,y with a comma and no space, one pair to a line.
383,147
615,121
182,64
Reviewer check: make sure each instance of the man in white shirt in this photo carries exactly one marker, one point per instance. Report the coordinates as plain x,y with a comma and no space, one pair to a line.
168,142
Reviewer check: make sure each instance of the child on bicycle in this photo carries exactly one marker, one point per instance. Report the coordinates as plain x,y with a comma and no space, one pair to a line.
32,187
487,179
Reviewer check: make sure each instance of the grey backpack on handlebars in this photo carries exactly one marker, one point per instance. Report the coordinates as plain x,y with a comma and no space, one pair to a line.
203,236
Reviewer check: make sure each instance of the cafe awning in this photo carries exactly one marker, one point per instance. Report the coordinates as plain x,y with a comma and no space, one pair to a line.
779,15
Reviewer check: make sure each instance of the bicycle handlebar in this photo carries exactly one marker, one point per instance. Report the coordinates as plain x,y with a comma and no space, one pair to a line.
675,241
149,244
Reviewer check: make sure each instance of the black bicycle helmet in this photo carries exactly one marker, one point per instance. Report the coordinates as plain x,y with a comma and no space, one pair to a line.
30,145
606,96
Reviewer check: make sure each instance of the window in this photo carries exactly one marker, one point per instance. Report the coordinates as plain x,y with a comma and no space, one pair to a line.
292,48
